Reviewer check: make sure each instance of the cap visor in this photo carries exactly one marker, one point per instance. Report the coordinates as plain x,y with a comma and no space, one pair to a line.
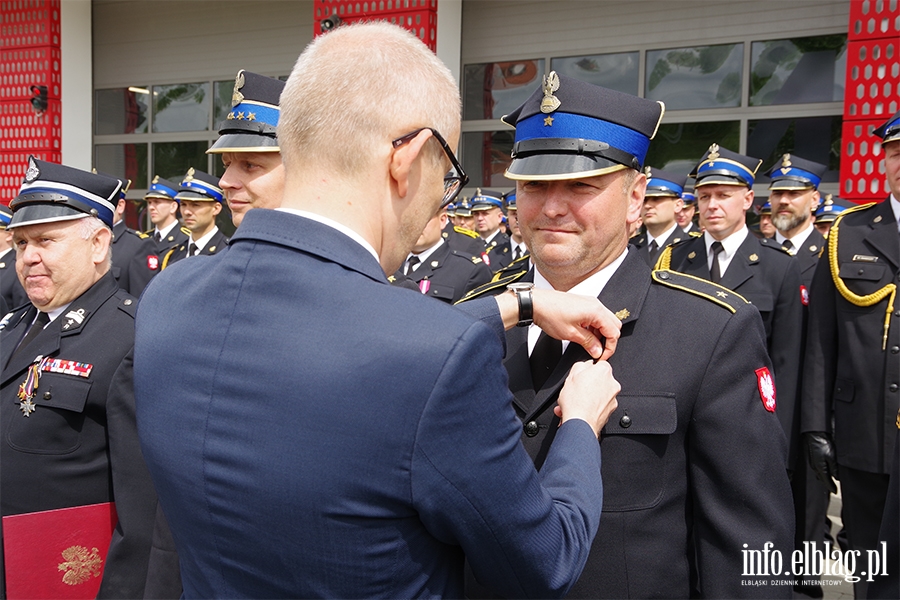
720,180
35,214
244,142
550,167
787,184
662,194
194,196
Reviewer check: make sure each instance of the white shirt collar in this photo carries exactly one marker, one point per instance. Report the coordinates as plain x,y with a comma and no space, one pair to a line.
164,232
334,225
729,244
423,256
55,313
663,237
591,287
797,240
488,239
202,242
895,206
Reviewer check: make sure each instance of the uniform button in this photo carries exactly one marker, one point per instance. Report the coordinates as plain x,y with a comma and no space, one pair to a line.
860,272
625,422
897,313
893,387
47,395
662,276
531,427
895,349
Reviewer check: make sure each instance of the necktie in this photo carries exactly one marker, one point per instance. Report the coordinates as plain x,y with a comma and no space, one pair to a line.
192,249
544,358
156,237
651,254
714,272
517,253
787,245
411,262
36,327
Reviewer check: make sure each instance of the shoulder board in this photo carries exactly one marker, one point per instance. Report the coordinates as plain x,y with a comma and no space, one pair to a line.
465,231
491,286
772,244
695,233
147,233
14,316
126,302
186,231
142,235
700,287
468,257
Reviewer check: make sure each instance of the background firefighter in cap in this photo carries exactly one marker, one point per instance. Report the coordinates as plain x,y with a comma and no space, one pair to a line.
851,380
685,216
827,213
201,200
66,398
662,202
757,269
10,289
248,143
693,456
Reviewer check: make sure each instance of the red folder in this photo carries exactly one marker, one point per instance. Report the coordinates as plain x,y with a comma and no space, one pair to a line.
57,553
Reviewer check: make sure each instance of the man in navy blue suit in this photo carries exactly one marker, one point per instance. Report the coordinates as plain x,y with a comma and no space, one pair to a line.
323,433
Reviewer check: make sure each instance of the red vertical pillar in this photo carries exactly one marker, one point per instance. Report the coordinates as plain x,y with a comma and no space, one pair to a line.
872,94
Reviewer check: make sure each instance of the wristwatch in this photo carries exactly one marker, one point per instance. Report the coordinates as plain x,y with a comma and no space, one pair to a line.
526,304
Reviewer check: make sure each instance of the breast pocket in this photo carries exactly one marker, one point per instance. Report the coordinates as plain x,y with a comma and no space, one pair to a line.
633,445
441,292
56,423
863,278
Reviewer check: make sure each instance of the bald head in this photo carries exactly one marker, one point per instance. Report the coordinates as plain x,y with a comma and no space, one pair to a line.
355,89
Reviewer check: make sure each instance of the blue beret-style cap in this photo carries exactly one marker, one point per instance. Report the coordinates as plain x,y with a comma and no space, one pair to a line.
250,125
5,216
53,192
795,173
570,129
664,183
721,166
199,186
486,199
890,130
162,189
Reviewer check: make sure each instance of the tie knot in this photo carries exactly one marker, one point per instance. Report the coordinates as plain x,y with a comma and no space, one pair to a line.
787,245
717,248
192,249
157,237
411,262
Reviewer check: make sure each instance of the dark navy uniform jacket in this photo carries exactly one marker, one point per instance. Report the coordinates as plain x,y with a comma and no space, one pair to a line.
148,261
216,243
640,242
498,252
325,442
852,369
80,446
769,279
450,274
10,288
693,462
465,241
126,245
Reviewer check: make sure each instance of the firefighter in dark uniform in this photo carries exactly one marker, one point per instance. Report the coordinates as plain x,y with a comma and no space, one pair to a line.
519,250
127,243
662,202
461,239
851,380
201,200
10,289
487,209
66,398
757,269
166,234
794,197
766,227
693,456
685,216
437,270
826,214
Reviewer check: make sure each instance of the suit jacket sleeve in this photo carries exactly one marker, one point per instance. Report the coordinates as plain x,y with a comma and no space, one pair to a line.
473,484
486,310
756,507
125,572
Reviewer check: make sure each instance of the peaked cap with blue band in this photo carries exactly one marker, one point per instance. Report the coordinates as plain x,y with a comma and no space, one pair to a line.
570,129
721,166
890,130
463,208
5,216
486,199
510,199
162,189
662,184
200,187
52,192
795,173
126,183
250,125
829,210
688,198
765,209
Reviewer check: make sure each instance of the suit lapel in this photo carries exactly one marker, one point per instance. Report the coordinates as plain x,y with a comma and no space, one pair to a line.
741,267
432,263
13,332
884,237
45,344
696,263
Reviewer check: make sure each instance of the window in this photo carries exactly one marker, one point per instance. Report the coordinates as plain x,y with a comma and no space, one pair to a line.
126,160
486,155
813,138
614,71
122,110
181,107
795,71
678,147
492,90
700,77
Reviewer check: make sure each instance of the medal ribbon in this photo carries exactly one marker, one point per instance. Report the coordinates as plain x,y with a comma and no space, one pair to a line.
27,387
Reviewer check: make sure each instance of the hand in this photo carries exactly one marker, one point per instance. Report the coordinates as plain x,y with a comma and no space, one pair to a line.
822,458
589,394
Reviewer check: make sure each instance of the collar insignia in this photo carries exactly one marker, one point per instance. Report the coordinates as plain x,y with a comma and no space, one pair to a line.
551,84
692,255
754,257
74,318
623,314
877,219
33,172
237,97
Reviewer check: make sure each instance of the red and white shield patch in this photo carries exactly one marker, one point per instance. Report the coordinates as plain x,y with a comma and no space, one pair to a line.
766,385
485,258
152,262
804,295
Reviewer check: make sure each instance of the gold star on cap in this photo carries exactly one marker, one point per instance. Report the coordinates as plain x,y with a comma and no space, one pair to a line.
551,84
548,121
251,116
237,97
713,152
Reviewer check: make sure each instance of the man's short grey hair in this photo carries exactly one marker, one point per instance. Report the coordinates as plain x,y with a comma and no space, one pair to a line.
87,227
358,87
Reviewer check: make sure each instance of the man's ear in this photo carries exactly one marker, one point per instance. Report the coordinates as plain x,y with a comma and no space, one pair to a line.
403,158
100,243
748,199
636,194
217,208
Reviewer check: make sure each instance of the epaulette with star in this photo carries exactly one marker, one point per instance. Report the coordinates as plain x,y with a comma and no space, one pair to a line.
492,288
694,234
700,287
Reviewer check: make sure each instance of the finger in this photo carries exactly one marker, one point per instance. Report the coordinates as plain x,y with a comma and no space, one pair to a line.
609,348
591,343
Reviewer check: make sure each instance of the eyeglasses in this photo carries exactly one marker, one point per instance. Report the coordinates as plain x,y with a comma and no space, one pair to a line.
455,179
